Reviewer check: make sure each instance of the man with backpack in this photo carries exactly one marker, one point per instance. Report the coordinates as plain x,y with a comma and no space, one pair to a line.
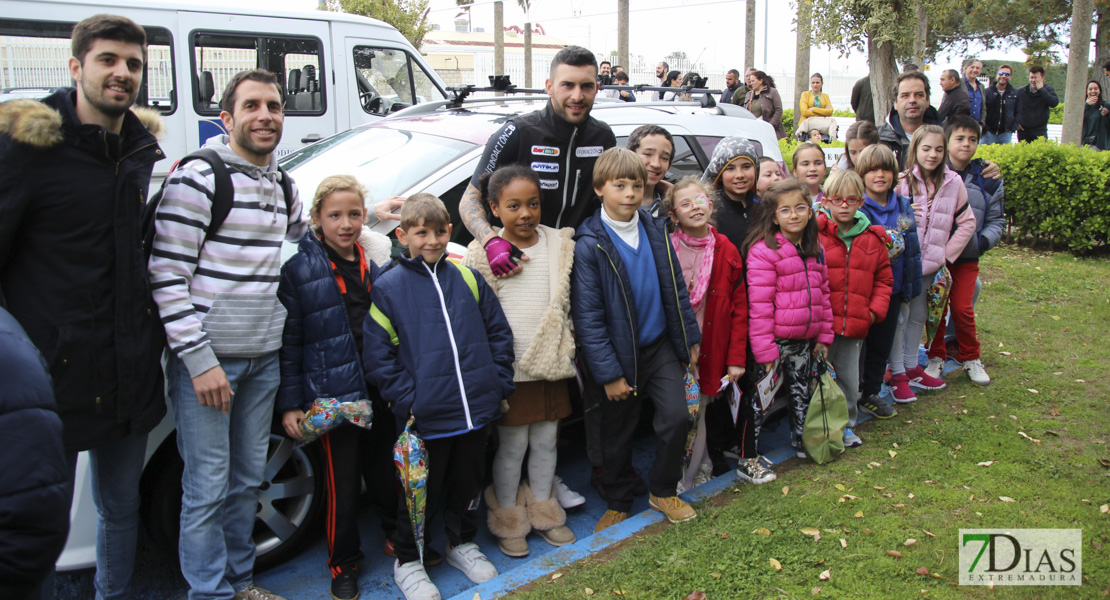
216,290
74,172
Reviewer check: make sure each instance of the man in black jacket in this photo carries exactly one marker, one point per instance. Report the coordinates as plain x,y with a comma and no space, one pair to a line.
74,173
560,142
862,101
1033,104
911,110
999,109
35,489
955,101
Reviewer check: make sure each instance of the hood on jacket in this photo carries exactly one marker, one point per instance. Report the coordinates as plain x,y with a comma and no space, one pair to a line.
728,150
36,124
830,227
375,246
270,173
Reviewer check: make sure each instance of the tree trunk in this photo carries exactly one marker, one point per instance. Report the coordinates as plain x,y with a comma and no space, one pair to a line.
921,34
622,34
1078,60
884,72
1102,45
749,37
528,55
801,61
498,38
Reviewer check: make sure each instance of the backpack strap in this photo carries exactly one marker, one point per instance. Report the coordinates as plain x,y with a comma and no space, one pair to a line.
223,194
468,277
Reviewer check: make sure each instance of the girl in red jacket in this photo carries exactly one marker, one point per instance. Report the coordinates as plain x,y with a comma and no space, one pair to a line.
860,280
790,319
713,271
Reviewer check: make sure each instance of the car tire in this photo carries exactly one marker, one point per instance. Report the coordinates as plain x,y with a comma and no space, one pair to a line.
291,502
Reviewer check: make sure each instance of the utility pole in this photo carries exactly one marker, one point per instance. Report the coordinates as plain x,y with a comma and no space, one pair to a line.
498,38
622,33
527,44
749,37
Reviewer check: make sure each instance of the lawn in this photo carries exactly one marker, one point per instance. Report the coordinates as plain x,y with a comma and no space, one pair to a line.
1029,451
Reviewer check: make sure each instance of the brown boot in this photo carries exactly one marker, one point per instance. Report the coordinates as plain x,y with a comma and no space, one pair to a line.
509,524
546,517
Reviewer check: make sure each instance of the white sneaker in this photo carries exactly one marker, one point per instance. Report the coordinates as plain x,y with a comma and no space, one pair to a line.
935,368
470,560
567,497
975,370
704,474
851,440
413,581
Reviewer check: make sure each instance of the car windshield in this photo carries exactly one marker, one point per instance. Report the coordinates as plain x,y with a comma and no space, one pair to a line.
387,161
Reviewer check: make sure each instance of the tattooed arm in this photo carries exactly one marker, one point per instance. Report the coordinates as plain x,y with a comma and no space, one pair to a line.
474,216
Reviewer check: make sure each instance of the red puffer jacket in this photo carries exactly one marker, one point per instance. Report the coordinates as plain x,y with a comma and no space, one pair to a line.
724,335
860,280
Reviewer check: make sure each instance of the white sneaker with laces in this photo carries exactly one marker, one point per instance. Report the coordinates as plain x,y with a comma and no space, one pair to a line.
935,368
975,371
413,581
567,497
470,560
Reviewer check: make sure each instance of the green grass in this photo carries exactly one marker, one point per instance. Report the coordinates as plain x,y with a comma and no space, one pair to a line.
1048,313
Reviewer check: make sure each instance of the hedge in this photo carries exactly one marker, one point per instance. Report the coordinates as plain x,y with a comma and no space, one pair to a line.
788,118
789,144
1055,191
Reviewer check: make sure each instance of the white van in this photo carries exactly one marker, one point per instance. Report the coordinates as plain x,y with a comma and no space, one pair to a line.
338,70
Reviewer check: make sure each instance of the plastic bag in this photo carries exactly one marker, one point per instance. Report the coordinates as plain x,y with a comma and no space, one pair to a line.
412,463
938,301
826,418
328,413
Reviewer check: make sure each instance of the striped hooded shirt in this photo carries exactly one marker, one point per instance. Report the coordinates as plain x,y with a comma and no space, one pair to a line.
218,297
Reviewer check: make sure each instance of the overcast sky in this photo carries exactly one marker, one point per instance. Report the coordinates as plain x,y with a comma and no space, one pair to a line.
711,29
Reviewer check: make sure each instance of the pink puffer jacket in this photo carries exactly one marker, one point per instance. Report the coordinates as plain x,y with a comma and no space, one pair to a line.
788,298
934,225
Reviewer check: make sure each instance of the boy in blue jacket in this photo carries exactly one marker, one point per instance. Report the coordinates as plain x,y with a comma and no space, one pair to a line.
439,348
636,333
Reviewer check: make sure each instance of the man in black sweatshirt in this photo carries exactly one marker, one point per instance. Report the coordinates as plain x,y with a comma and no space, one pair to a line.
1033,104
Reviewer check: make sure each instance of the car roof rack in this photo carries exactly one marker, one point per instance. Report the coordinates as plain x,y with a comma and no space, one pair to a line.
707,100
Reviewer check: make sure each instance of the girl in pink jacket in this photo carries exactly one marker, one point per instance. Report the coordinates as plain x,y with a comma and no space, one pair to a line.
944,226
789,315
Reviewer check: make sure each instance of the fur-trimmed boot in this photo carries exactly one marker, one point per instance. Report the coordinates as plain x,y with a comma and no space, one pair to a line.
509,524
546,516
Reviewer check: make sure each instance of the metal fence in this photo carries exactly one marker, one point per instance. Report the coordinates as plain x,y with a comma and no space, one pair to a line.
44,62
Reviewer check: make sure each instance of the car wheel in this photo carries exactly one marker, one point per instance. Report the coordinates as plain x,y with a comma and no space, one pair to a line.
290,506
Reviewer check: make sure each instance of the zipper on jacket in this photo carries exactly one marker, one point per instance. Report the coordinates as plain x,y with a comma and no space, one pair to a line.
847,277
631,323
577,177
566,180
454,347
677,302
809,288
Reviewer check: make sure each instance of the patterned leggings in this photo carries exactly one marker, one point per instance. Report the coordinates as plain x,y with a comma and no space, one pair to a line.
796,362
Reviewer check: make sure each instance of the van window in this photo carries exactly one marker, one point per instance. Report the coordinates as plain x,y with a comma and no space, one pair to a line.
389,80
36,55
296,61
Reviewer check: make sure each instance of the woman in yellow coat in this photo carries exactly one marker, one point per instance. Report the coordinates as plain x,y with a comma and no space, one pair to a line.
817,110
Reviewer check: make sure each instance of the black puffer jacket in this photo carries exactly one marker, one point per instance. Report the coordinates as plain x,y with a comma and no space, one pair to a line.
72,270
561,154
34,482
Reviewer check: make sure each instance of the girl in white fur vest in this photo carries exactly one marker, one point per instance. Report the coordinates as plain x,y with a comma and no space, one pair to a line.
537,304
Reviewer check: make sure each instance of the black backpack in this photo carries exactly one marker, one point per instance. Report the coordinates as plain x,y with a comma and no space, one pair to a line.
222,197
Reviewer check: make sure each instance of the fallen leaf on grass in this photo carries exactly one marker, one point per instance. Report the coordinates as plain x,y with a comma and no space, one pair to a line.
932,535
899,506
892,453
825,575
1081,381
815,591
1032,391
715,575
910,496
556,575
911,542
843,543
1105,508
866,530
1006,499
776,564
894,553
858,515
725,536
819,563
694,595
922,571
590,592
985,463
849,497
1031,439
762,531
840,487
785,490
1004,353
880,488
874,464
810,531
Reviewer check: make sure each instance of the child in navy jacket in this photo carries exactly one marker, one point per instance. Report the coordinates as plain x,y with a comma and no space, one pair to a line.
439,348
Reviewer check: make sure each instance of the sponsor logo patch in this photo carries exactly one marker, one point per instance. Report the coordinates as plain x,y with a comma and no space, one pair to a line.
549,184
545,150
588,151
545,167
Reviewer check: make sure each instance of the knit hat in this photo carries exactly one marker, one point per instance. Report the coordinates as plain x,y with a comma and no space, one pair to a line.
728,151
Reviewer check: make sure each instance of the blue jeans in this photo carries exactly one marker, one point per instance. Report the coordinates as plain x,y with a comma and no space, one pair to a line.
225,456
1006,137
114,472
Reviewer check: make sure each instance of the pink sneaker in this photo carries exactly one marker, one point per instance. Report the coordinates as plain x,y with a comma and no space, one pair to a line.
923,381
900,389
